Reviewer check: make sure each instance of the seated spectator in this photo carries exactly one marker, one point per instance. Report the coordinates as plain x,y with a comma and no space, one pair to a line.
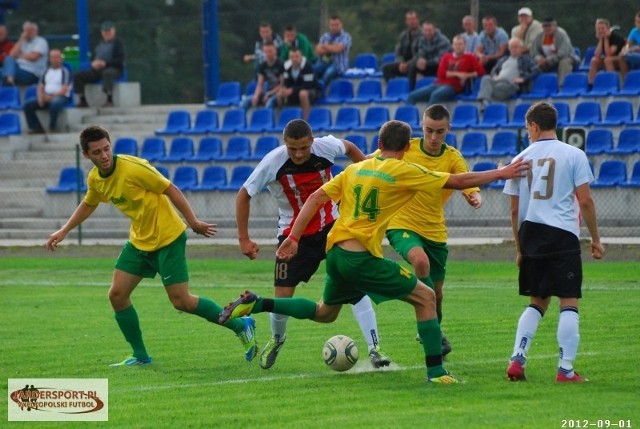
509,76
333,52
431,48
53,94
300,87
107,64
471,36
266,35
271,71
631,51
5,44
608,53
292,38
527,29
552,50
27,60
454,71
493,43
406,49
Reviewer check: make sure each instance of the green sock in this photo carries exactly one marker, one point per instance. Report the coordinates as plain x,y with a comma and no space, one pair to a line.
429,332
210,311
300,308
439,313
130,326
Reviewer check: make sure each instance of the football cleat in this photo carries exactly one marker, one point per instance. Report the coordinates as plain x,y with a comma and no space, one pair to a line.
561,377
248,338
444,379
238,308
515,371
270,351
378,358
132,360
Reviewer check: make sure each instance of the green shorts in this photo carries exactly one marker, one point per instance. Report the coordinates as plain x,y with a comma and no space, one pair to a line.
351,275
170,261
403,240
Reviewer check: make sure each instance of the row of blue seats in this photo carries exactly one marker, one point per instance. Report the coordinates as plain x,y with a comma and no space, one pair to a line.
9,124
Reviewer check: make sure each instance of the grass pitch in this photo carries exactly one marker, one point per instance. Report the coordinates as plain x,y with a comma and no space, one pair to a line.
57,323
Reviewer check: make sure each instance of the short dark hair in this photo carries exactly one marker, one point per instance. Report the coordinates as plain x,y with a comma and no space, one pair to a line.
395,135
437,112
93,133
297,129
542,114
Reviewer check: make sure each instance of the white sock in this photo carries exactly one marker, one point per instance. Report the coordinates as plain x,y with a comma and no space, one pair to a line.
278,324
568,337
527,327
366,318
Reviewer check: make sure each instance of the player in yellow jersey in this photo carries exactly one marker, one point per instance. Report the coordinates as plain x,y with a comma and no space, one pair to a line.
156,243
370,193
422,240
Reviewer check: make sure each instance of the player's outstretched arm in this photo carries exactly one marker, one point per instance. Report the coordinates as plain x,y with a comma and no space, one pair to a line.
469,180
81,213
180,202
248,247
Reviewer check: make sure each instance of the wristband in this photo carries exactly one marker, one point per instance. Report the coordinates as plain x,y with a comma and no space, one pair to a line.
294,239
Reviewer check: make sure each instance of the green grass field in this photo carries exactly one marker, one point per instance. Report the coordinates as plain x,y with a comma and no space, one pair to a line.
57,323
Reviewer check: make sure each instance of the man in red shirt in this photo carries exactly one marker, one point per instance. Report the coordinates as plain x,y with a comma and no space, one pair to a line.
5,44
453,71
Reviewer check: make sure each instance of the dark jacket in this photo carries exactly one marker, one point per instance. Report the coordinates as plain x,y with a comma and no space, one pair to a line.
527,70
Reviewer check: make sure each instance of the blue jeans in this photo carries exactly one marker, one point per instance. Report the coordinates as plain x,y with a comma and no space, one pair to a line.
432,94
10,68
325,72
633,59
55,106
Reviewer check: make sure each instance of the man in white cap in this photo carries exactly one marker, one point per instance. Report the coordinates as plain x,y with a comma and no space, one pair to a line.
527,29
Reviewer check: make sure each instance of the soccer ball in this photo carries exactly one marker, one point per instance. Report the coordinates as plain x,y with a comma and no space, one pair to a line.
340,353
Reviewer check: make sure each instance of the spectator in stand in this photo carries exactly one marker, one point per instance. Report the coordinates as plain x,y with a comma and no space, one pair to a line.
493,43
553,51
432,47
5,44
471,36
107,64
455,69
27,60
266,35
527,29
608,53
406,49
53,94
300,86
271,73
509,76
294,39
333,52
631,50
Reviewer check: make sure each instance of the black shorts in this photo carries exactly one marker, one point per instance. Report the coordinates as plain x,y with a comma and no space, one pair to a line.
559,276
294,98
311,251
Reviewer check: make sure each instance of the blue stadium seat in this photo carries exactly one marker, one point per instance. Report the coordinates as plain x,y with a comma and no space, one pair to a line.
586,60
598,141
206,121
495,115
575,85
319,118
178,121
162,170
30,92
340,90
239,175
185,177
634,179
612,173
587,113
10,97
369,90
470,91
484,166
374,117
180,149
388,57
464,116
336,169
233,121
409,114
504,143
238,148
619,112
424,81
209,149
153,149
451,140
125,146
365,64
262,120
9,124
71,179
605,83
213,177
264,145
347,119
564,113
360,140
628,142
397,90
473,144
631,84
228,95
544,85
519,111
287,114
